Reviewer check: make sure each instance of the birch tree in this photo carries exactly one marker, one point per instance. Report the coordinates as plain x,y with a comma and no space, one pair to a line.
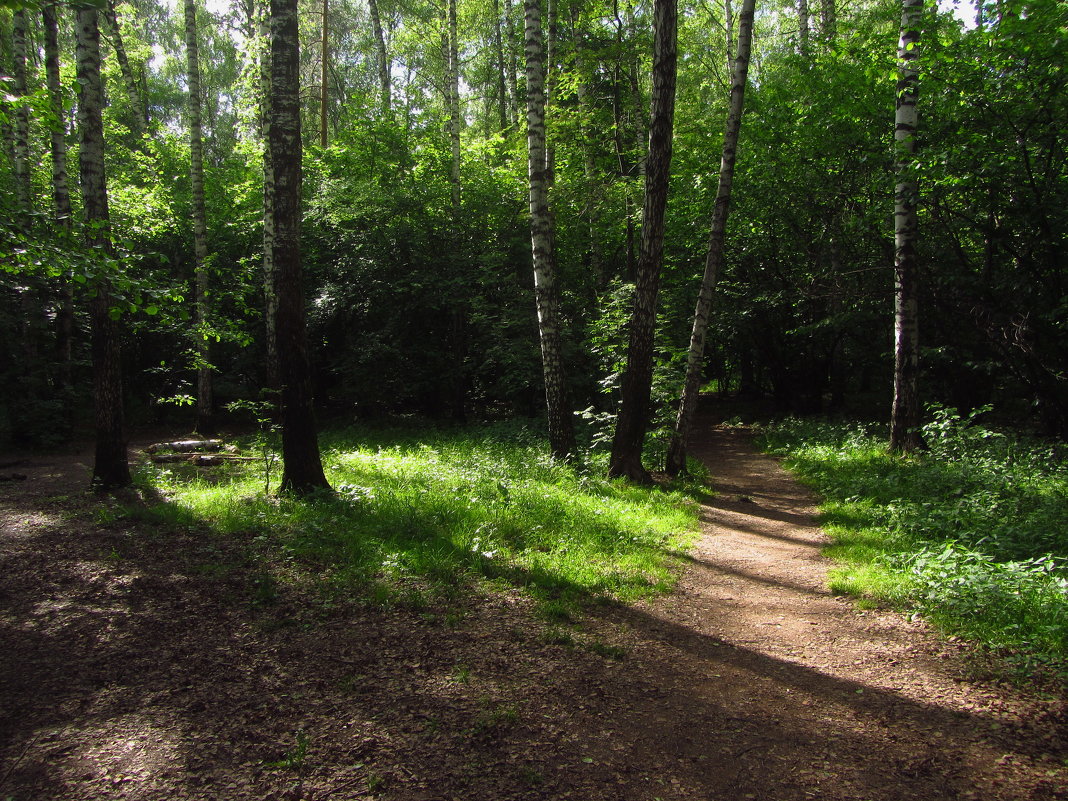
383,62
561,424
676,456
110,467
905,416
302,467
633,419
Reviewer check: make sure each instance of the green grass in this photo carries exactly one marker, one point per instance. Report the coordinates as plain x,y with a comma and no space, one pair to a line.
420,516
973,534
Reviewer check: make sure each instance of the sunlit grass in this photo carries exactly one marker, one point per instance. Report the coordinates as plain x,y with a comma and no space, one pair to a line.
973,534
422,516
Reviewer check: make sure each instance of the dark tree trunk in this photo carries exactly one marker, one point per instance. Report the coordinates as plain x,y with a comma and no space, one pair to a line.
302,467
383,57
633,420
110,467
676,456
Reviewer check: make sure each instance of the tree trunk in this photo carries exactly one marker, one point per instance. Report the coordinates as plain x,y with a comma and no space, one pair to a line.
270,299
205,402
453,98
589,164
110,467
561,425
828,20
626,459
804,26
19,51
302,468
60,186
383,58
498,54
137,104
512,51
905,433
676,456
324,79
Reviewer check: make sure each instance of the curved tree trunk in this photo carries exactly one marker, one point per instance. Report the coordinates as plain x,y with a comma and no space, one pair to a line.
676,456
302,471
110,467
905,416
137,103
633,420
561,424
205,401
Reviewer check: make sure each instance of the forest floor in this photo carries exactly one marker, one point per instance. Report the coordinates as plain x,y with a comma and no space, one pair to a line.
140,664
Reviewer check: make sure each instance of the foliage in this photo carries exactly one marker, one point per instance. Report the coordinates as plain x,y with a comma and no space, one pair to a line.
971,533
421,513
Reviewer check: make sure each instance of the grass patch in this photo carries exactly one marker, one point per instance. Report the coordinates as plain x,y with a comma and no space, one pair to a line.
973,533
420,516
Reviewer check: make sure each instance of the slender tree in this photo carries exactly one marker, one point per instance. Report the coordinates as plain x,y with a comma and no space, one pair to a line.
205,396
302,467
676,456
324,76
804,26
633,420
19,50
905,416
60,187
561,425
270,298
137,103
385,86
110,467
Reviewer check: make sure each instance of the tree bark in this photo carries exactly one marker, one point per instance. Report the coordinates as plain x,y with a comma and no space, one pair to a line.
110,467
828,20
561,424
19,50
205,423
512,51
633,420
676,455
905,433
270,299
140,109
60,186
804,26
302,471
453,96
383,57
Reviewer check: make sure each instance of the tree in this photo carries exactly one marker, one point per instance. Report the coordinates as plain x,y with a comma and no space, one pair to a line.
561,426
302,467
110,467
205,400
905,416
676,456
382,61
626,459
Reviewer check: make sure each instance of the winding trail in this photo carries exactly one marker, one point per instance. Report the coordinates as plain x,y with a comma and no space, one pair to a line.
138,663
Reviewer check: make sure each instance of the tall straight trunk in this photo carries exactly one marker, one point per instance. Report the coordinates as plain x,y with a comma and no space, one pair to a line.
19,51
324,76
205,400
302,471
511,50
905,416
137,103
561,425
589,164
804,26
676,456
270,299
60,186
828,20
383,58
453,94
633,420
110,467
498,56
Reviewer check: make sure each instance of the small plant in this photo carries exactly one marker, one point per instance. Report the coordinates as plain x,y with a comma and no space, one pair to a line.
293,760
606,650
461,674
557,636
375,781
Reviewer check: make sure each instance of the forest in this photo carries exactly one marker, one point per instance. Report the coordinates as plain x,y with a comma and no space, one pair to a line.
490,313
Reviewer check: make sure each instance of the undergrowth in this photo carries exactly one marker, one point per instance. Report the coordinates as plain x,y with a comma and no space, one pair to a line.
420,516
972,534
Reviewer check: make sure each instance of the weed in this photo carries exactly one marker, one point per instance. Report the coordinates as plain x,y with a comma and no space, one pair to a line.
606,650
375,781
295,759
556,636
461,674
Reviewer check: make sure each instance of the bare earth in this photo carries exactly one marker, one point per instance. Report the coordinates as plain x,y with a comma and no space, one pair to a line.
141,664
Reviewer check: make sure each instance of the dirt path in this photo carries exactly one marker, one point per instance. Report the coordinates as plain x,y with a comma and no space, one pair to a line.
139,664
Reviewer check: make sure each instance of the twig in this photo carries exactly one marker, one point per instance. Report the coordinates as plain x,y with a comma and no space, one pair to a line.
15,764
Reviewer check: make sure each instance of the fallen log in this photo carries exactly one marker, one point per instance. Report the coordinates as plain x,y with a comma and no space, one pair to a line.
200,459
187,446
